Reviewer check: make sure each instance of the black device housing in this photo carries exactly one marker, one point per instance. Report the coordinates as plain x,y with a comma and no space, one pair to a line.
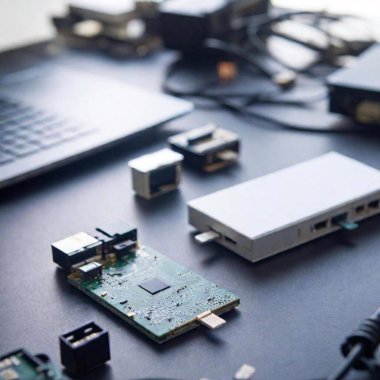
67,260
124,248
355,91
245,8
107,235
118,231
186,24
84,348
113,233
106,241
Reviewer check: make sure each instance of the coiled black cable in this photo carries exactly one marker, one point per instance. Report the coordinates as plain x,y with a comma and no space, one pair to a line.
254,53
359,349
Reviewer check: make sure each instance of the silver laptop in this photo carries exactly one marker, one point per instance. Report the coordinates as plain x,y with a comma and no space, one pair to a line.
51,114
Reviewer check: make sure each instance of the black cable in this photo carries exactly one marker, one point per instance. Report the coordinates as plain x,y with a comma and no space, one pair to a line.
235,102
276,72
258,28
263,28
359,348
255,55
171,71
203,91
348,364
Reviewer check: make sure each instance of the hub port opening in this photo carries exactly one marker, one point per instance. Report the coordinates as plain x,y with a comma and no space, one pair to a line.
360,209
339,218
320,226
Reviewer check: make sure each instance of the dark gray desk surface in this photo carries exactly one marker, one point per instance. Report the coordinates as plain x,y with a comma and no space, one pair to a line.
295,308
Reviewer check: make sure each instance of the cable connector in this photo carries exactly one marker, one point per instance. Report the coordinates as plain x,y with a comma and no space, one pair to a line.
359,349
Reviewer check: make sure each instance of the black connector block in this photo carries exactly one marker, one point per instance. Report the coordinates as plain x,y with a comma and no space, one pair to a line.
75,249
106,241
113,233
118,231
84,348
124,248
208,148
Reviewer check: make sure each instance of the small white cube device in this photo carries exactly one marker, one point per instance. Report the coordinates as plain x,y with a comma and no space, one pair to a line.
156,173
262,217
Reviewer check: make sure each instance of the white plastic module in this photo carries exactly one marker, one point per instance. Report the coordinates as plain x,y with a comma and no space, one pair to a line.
270,214
156,173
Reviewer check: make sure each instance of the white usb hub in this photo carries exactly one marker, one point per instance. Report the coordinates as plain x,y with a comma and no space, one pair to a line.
262,217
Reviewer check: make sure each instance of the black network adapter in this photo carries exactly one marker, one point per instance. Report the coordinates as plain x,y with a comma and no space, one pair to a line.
355,91
186,24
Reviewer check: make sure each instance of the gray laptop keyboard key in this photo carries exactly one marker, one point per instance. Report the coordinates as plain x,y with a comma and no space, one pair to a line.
5,158
25,130
50,140
23,149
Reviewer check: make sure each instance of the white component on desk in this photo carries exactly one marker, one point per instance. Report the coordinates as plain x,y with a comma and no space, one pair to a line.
156,173
262,217
245,372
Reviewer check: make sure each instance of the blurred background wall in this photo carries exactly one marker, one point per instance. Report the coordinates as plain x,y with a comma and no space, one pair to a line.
27,20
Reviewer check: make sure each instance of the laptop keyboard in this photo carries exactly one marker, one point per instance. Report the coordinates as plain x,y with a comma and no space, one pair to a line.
25,130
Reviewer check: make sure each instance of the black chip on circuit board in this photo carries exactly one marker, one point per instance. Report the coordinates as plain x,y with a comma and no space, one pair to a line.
154,286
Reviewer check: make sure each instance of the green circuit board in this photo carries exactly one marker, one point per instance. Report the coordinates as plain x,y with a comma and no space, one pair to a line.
21,365
154,294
